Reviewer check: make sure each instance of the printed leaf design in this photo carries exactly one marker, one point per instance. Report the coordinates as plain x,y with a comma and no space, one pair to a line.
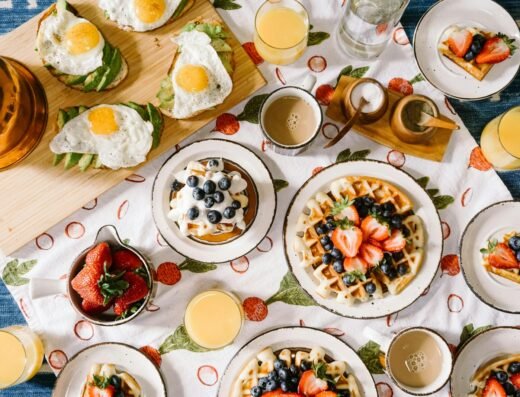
371,355
440,201
316,38
347,155
226,4
417,79
196,266
470,331
14,270
280,184
291,293
252,108
350,71
180,340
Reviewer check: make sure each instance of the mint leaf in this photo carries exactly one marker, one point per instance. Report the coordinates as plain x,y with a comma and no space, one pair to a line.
180,340
341,205
196,266
252,108
369,354
226,4
280,184
291,293
316,38
14,270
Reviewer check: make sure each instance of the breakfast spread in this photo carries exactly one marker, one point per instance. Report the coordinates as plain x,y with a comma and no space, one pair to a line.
503,258
111,279
76,53
360,239
111,136
200,75
144,15
106,380
475,50
498,378
209,199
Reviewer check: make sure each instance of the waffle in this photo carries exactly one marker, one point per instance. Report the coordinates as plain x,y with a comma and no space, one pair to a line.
263,363
510,274
129,386
478,382
310,250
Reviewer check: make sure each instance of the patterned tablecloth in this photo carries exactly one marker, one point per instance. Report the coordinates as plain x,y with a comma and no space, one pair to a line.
460,187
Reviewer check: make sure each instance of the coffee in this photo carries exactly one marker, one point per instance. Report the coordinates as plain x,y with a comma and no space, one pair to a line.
415,359
290,121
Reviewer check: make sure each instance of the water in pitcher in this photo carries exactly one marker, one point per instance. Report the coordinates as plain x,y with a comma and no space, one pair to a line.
367,25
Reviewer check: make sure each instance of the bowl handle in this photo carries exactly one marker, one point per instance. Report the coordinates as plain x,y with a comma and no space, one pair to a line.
43,287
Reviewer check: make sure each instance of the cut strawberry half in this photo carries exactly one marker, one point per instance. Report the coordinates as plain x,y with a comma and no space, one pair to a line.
94,391
371,254
327,393
502,257
347,240
351,214
459,42
395,243
515,380
374,229
493,388
280,393
356,264
99,257
496,50
310,384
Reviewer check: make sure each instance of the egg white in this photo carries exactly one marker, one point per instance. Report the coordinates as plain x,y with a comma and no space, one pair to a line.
52,48
195,49
126,147
123,12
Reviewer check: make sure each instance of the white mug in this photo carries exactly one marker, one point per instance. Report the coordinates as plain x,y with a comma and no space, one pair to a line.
302,91
386,343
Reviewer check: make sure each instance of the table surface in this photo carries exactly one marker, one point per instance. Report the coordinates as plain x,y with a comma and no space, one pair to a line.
474,114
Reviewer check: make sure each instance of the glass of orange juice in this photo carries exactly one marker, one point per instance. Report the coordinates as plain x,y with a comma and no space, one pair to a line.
214,318
21,355
281,31
500,141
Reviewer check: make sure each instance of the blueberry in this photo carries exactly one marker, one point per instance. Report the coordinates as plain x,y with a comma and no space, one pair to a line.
209,187
236,204
198,193
176,185
514,367
386,214
343,393
509,388
320,229
218,197
402,269
480,38
229,212
325,240
305,365
224,183
392,273
278,364
294,382
514,243
349,280
283,373
336,253
213,163
119,393
338,266
193,213
115,381
294,370
363,211
331,225
376,209
370,288
388,206
517,393
214,216
469,55
192,181
501,376
256,391
405,231
262,382
369,201
273,375
326,258
477,43
396,222
330,218
385,267
285,386
387,257
271,385
209,201
328,247
397,256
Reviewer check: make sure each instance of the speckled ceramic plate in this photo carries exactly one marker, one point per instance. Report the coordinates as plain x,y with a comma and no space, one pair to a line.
490,223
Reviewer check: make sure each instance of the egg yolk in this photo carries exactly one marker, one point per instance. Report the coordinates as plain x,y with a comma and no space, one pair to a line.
103,121
82,38
149,11
192,78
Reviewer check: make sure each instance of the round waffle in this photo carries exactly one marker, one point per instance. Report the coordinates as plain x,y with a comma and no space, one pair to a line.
478,382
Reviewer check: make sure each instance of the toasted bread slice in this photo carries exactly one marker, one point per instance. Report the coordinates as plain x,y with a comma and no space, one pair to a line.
183,7
79,82
226,57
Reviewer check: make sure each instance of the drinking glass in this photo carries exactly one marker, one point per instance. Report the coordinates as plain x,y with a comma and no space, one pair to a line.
21,355
366,26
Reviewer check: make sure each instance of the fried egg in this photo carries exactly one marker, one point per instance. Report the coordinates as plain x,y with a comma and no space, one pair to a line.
70,44
199,79
116,133
139,15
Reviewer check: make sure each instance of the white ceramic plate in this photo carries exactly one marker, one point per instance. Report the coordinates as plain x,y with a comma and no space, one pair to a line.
126,358
446,75
248,240
423,207
492,222
480,349
298,337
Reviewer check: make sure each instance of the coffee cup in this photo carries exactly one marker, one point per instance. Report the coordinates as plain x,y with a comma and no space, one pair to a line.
418,359
290,118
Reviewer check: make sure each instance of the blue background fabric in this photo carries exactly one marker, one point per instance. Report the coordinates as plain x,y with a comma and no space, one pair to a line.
475,116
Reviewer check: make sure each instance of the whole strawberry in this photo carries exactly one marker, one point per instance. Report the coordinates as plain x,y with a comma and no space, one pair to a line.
86,285
126,260
99,257
137,290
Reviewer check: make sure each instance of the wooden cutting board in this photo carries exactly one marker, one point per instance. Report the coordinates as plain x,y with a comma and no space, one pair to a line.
36,195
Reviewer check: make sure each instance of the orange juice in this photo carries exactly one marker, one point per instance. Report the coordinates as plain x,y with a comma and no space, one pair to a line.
281,31
500,140
213,319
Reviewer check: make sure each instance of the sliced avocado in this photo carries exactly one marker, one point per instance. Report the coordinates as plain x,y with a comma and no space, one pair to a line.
157,122
85,161
93,79
57,158
97,162
180,8
113,70
221,46
226,58
139,109
82,108
73,79
71,159
165,93
72,112
62,118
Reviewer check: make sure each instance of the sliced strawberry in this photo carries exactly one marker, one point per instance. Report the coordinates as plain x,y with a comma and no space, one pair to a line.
137,290
502,257
94,391
515,380
126,260
327,393
496,49
371,254
351,214
99,256
493,388
355,264
395,243
92,308
280,393
86,285
373,229
347,240
459,42
310,385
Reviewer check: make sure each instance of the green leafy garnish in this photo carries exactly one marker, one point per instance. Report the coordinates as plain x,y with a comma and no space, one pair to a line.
341,205
100,382
370,354
344,224
112,285
490,247
357,274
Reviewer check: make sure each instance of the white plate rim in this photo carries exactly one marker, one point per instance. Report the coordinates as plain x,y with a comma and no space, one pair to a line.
97,345
419,24
461,242
318,332
240,147
286,248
